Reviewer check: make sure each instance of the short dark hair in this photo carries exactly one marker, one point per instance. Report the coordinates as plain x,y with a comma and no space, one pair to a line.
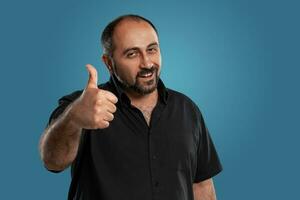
107,34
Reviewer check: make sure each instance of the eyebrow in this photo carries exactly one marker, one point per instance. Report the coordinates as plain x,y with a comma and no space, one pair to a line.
136,48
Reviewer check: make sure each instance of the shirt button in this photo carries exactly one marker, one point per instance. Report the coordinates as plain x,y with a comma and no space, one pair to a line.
154,157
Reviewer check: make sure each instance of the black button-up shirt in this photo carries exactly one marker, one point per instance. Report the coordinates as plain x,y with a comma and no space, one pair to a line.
130,160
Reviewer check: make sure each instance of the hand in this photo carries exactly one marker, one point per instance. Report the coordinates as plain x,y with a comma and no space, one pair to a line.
95,107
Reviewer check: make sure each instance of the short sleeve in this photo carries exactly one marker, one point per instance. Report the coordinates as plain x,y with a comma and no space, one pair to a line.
63,103
208,163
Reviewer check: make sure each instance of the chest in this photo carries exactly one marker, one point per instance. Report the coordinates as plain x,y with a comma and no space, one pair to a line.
146,111
129,142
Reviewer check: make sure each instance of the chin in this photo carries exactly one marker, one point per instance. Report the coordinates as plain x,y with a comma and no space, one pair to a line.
149,88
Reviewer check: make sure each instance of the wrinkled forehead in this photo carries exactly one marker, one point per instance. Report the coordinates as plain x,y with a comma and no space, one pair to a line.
133,33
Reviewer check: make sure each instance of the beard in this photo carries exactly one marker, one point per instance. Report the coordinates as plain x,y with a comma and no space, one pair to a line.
140,86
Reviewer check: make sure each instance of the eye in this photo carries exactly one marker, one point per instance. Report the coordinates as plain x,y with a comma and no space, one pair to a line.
131,54
152,50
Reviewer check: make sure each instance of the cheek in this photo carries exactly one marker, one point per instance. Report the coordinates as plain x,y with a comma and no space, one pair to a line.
128,73
126,68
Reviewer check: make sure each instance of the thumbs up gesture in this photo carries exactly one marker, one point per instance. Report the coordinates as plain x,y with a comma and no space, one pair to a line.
95,107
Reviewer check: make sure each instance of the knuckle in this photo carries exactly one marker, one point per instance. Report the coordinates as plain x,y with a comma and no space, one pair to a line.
99,101
102,93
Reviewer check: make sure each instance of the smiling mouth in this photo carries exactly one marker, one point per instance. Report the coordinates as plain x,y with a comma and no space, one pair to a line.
146,75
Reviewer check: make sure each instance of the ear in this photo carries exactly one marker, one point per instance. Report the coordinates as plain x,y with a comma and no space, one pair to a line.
108,62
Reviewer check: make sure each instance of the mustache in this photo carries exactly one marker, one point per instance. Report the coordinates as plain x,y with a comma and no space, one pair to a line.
145,71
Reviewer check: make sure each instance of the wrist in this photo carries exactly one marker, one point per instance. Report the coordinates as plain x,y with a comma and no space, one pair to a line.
71,116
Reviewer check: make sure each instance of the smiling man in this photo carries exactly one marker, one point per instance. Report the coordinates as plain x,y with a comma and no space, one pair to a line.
131,138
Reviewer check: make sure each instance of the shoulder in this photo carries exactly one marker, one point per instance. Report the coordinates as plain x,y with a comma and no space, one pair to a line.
178,97
182,101
66,100
70,97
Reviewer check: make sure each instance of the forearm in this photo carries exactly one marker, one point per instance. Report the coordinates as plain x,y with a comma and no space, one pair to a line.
59,142
204,190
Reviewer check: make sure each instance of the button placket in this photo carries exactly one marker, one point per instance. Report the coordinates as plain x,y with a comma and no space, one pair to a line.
153,163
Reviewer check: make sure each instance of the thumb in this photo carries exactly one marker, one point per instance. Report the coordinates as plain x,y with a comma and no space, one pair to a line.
93,76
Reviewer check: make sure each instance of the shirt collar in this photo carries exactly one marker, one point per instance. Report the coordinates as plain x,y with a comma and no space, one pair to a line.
162,90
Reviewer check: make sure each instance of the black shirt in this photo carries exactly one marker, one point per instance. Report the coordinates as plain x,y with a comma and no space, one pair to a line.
130,160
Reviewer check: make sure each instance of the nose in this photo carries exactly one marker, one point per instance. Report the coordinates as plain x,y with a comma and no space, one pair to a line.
146,61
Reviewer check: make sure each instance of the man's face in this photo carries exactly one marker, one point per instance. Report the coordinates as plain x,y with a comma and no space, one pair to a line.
136,59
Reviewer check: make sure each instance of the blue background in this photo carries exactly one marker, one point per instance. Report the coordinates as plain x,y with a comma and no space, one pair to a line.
238,60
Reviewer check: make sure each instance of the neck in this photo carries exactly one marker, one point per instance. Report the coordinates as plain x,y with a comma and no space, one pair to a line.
139,100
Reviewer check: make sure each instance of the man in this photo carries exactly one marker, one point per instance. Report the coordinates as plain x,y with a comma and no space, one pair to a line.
131,138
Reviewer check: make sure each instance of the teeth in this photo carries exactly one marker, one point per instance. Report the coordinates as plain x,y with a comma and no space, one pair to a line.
147,75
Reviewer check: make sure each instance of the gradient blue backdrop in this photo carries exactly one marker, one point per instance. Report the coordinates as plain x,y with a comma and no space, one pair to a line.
238,60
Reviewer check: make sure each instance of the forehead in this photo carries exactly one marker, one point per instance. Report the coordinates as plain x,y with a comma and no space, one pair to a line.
131,33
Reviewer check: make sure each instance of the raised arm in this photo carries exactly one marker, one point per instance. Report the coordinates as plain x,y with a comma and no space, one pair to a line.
92,110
